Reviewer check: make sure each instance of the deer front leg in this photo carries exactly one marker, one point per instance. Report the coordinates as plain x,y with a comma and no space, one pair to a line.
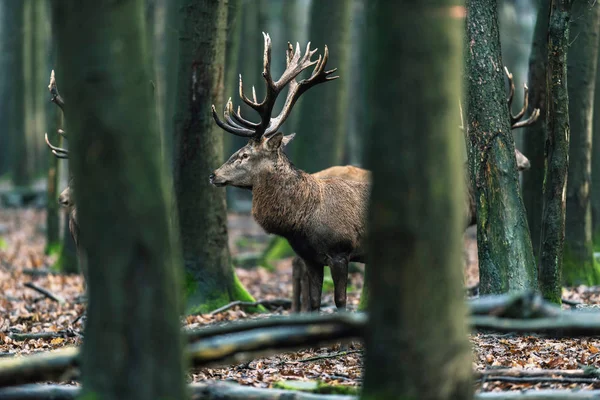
298,272
314,274
339,274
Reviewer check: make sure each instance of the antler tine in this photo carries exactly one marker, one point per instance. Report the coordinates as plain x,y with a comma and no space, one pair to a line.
243,121
515,118
511,92
53,89
57,151
243,132
529,121
62,133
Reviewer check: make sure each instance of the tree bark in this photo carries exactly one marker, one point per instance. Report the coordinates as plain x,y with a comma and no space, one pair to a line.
596,163
21,169
557,153
578,257
535,135
322,126
506,259
132,253
416,49
210,280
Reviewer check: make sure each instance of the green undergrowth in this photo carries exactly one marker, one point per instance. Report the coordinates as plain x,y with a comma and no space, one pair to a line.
3,244
217,299
577,273
277,249
317,387
52,249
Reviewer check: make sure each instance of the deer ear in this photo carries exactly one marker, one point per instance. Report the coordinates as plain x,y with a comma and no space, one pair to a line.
287,139
274,142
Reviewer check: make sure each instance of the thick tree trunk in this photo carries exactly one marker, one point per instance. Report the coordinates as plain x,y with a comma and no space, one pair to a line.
557,153
323,120
417,48
596,163
535,134
210,278
506,259
132,251
578,257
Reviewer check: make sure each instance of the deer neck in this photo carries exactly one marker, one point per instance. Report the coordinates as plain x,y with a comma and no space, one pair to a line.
283,198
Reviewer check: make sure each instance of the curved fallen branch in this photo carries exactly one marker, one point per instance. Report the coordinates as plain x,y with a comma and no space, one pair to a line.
46,366
232,391
274,303
568,323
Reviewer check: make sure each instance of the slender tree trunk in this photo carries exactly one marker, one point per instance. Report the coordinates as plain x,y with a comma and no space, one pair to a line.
578,257
417,352
596,163
323,116
557,153
535,135
21,169
132,252
506,259
5,85
210,278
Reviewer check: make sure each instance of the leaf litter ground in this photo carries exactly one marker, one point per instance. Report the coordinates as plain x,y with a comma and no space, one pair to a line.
24,310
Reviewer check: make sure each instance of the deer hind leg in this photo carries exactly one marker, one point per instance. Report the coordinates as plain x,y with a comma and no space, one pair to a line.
339,274
314,273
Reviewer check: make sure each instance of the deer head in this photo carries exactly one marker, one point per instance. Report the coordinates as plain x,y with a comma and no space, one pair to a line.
265,143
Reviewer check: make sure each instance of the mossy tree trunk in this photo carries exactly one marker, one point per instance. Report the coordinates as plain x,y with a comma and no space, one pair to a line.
132,252
596,163
535,135
557,153
210,278
578,257
21,157
322,125
5,84
506,259
415,241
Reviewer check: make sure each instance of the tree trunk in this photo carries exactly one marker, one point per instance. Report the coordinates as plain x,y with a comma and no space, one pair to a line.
557,153
535,134
578,257
506,259
596,163
323,124
21,168
210,278
415,352
132,252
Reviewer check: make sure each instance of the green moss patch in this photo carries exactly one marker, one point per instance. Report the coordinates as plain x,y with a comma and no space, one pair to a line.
316,387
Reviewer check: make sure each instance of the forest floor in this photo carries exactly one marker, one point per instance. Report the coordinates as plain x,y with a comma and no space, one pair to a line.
25,310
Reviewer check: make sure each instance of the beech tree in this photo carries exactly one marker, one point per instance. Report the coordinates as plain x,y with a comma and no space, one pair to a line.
123,203
415,352
210,280
506,259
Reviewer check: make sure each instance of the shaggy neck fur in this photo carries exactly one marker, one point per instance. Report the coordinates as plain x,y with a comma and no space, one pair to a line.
284,198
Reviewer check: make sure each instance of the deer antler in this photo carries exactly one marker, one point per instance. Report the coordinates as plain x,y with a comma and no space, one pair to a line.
515,122
296,62
59,152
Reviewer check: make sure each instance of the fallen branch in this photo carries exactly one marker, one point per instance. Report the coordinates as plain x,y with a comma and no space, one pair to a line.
45,292
582,373
233,391
20,337
46,366
524,305
356,320
568,324
539,379
274,303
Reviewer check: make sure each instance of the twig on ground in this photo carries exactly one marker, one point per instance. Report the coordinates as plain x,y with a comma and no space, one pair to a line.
571,303
326,356
285,303
45,292
20,337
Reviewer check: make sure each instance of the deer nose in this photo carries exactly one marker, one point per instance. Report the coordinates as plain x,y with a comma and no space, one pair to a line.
62,201
211,178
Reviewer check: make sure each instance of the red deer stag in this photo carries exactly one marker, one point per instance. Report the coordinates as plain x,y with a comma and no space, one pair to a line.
65,199
322,219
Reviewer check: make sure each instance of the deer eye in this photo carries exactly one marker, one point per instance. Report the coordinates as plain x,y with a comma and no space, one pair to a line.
244,156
